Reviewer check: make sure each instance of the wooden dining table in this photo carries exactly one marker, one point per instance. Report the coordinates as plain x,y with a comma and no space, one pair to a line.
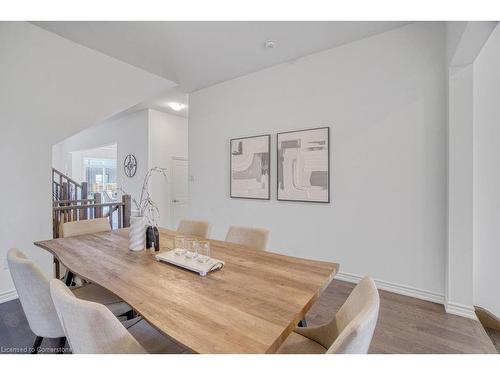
249,306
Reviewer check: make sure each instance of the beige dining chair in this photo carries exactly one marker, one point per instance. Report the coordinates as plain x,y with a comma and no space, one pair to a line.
32,287
76,228
92,329
349,332
80,227
194,228
90,226
252,237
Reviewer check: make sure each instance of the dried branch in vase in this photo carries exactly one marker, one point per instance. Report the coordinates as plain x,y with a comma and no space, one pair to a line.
146,206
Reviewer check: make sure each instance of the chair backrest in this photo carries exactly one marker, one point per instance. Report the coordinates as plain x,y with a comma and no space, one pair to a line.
252,237
356,319
194,228
90,327
33,290
76,228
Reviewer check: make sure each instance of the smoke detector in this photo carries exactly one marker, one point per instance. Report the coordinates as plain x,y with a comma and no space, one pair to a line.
270,44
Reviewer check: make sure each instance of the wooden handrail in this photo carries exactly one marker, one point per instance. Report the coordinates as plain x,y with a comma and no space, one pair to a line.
69,179
65,188
93,205
73,200
81,209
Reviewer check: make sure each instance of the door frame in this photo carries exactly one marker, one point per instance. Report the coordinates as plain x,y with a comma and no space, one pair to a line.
172,161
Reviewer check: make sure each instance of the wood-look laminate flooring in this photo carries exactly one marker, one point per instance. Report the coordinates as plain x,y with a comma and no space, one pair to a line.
405,325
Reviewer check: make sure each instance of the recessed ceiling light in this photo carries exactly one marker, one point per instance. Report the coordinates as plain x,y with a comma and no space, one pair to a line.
176,106
271,44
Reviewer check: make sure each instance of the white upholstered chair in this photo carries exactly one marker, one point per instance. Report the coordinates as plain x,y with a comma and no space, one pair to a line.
76,228
90,226
252,237
194,228
91,328
349,332
33,290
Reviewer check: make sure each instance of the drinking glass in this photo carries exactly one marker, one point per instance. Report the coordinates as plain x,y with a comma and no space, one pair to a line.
204,251
192,248
179,245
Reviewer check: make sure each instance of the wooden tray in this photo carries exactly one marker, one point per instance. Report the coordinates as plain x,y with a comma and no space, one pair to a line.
190,264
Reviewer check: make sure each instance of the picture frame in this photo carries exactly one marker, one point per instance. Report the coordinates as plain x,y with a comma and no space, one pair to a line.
250,167
303,165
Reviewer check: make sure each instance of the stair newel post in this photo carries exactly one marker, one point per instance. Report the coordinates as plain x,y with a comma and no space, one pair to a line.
84,197
60,187
65,196
64,191
120,216
97,200
55,222
127,210
73,198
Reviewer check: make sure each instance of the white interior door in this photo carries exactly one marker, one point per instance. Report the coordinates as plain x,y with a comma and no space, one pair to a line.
179,190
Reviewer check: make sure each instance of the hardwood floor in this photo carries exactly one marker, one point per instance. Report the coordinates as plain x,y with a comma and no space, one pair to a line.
405,325
409,325
15,334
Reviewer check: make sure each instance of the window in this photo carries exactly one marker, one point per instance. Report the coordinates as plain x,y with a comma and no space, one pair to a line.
100,175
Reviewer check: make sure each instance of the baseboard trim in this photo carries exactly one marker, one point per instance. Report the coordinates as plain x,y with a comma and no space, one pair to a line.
8,296
405,290
461,310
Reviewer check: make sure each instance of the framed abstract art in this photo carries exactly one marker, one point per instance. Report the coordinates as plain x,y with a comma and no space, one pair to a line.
250,167
304,165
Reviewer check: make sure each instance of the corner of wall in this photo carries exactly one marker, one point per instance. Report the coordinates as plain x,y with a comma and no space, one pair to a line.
460,310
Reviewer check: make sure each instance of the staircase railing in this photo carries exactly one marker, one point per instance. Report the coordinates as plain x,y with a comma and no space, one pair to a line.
65,188
67,210
71,202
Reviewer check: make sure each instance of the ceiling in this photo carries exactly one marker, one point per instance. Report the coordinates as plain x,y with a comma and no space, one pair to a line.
199,54
160,102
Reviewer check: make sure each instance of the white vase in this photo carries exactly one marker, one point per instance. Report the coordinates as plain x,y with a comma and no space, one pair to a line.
137,233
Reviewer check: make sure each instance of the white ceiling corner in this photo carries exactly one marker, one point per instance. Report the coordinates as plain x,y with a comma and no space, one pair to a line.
199,54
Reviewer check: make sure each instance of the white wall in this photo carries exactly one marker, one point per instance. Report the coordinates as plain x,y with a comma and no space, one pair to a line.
486,175
465,40
129,132
459,296
384,98
50,88
168,138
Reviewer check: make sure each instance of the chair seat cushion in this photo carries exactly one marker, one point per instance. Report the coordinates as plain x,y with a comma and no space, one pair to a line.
96,293
298,344
153,341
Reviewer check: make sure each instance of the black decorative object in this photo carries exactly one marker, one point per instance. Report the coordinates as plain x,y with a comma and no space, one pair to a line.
157,238
150,237
130,165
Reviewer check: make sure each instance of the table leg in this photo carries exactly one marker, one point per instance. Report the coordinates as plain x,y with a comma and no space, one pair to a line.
68,279
58,269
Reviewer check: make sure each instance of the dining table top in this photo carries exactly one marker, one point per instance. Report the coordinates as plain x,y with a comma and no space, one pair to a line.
249,306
